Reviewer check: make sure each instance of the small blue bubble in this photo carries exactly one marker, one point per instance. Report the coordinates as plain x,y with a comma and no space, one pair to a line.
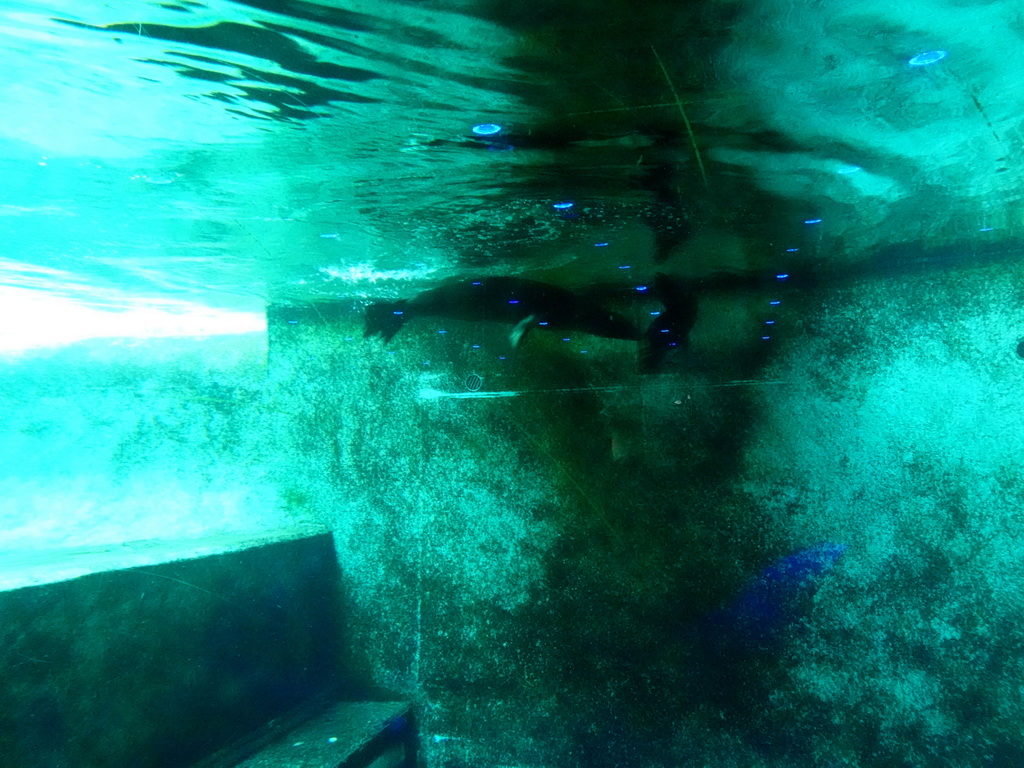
501,357
926,58
399,312
544,322
486,129
625,266
655,313
564,206
513,301
600,245
641,288
673,344
769,322
583,351
476,346
775,302
812,221
782,276
664,330
766,337
442,330
566,339
792,250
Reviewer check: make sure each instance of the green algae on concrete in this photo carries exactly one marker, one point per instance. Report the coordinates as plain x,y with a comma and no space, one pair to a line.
518,565
163,664
899,434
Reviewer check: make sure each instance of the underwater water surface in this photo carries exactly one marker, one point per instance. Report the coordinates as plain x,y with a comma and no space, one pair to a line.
655,368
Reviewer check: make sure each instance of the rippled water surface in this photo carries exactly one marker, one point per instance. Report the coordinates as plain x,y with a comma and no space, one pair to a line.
234,152
237,153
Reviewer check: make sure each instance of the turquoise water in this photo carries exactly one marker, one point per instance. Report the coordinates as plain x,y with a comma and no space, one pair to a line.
793,542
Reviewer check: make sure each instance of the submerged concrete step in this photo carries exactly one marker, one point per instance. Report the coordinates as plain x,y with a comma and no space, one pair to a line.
361,734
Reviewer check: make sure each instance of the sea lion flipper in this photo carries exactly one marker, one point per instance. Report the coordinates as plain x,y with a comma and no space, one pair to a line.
519,332
384,319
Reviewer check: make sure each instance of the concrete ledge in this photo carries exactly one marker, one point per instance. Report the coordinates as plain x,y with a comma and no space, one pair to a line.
28,567
164,664
347,735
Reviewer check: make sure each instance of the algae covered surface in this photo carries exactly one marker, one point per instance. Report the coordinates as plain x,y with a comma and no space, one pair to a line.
546,561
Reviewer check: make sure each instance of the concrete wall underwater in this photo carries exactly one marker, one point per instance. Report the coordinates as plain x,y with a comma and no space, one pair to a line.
105,441
164,664
523,565
541,569
901,433
536,569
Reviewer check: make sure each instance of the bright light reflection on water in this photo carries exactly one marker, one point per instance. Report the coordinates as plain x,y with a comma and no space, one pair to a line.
32,319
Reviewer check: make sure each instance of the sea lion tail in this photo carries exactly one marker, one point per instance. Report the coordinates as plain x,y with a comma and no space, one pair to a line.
384,319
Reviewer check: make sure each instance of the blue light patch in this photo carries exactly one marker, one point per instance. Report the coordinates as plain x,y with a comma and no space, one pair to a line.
769,322
766,338
600,245
641,288
486,129
812,221
476,346
563,206
399,312
926,58
986,229
625,266
782,276
513,301
566,339
477,282
775,302
792,250
543,322
655,313
441,330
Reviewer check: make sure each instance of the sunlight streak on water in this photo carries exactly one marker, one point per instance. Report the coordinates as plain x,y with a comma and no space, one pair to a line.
31,319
